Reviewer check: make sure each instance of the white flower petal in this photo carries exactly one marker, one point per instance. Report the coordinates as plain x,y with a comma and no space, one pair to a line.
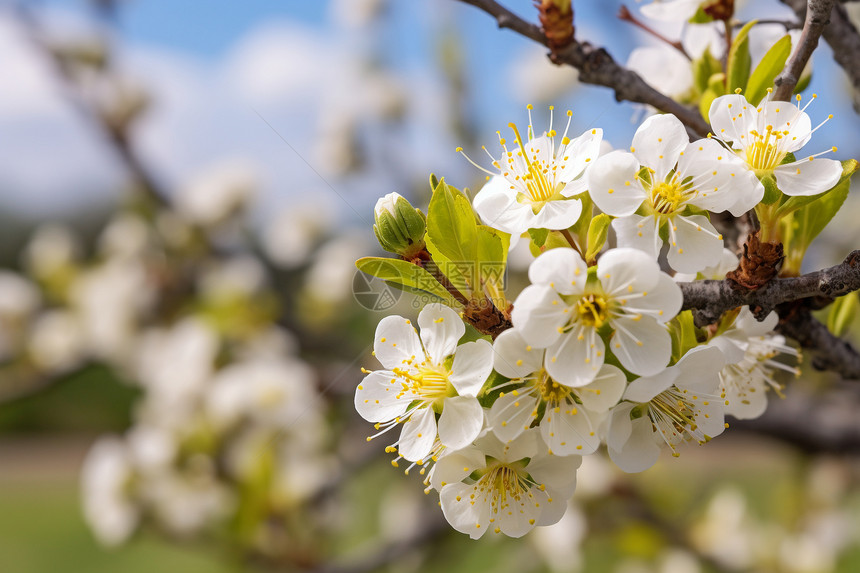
563,270
619,425
663,68
644,389
513,357
605,391
698,369
454,466
496,203
642,346
662,302
555,472
538,314
807,177
521,515
613,185
379,397
636,232
671,10
553,508
575,359
396,342
695,244
460,422
512,414
658,143
418,435
580,153
785,117
620,269
473,363
526,445
461,513
441,329
557,214
732,117
746,402
567,429
640,451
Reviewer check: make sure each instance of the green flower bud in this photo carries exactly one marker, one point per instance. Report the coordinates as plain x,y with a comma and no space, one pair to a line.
399,226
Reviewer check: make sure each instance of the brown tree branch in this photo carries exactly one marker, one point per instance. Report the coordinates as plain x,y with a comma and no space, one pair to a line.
597,67
711,298
842,36
817,18
829,352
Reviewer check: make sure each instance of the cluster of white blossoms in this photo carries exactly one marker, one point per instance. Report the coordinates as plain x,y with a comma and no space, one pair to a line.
598,352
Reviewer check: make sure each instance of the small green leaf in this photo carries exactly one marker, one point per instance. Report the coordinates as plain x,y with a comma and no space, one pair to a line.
492,260
703,68
842,313
708,97
580,228
772,193
767,69
684,334
434,181
597,232
538,236
406,276
739,62
700,17
807,222
451,225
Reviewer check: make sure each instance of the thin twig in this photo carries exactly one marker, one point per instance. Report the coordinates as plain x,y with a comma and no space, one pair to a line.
817,18
597,67
843,38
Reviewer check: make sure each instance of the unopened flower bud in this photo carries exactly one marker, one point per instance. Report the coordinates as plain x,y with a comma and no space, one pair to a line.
399,226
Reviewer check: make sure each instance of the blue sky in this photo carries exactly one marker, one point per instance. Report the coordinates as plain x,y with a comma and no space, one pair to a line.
173,42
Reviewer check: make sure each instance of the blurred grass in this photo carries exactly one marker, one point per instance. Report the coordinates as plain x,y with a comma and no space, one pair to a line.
42,531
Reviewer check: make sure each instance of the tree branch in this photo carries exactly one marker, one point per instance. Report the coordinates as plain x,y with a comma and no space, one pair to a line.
817,18
597,67
711,298
829,352
843,38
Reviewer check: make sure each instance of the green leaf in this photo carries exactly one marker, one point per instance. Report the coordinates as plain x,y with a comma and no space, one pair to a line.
739,62
492,260
597,232
807,222
538,236
451,223
708,97
434,182
772,193
406,276
700,17
767,69
580,228
842,313
683,330
452,236
704,68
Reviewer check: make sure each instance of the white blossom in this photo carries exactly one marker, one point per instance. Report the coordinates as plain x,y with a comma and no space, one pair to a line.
491,486
680,403
418,382
570,416
763,136
750,347
533,185
569,308
106,478
655,185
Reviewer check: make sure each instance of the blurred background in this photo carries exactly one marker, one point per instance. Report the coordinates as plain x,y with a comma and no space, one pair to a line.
184,189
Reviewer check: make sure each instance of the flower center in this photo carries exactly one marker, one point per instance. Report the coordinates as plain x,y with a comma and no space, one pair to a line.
673,415
536,180
591,310
551,391
764,153
667,198
503,484
428,383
